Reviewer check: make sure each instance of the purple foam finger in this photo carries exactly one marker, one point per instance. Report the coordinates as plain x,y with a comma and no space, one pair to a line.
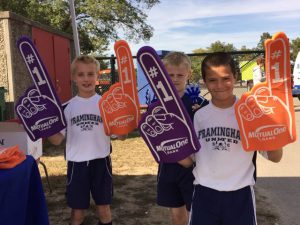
36,68
159,79
161,83
176,138
47,117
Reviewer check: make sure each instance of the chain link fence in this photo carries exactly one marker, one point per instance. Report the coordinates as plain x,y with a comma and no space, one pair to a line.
245,60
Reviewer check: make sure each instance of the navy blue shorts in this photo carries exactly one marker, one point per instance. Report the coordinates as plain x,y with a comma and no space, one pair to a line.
175,185
87,177
211,207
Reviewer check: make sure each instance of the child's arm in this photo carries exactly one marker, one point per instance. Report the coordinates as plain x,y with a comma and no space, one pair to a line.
275,156
187,162
119,137
122,137
56,139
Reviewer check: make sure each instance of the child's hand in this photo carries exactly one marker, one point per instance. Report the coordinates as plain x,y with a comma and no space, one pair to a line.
187,162
122,137
119,137
275,156
195,107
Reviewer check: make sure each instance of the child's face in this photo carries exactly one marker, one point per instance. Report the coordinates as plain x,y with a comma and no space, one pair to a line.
85,78
220,83
179,75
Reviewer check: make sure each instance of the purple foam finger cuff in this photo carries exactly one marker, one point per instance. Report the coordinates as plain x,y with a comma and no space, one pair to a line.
174,144
170,150
44,121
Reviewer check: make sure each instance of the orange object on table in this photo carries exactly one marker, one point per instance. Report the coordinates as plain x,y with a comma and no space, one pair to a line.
11,157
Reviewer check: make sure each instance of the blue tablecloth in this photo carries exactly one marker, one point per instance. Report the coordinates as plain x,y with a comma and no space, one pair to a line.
22,199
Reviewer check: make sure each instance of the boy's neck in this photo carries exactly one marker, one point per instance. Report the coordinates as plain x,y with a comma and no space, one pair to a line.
223,104
86,95
181,94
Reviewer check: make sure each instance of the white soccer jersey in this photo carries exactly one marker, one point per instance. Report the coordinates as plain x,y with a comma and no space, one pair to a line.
86,139
221,163
257,75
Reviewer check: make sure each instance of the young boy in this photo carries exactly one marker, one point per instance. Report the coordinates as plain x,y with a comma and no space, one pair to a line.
87,146
175,182
258,71
224,172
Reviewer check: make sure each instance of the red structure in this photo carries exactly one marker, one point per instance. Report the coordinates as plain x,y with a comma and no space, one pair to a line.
55,53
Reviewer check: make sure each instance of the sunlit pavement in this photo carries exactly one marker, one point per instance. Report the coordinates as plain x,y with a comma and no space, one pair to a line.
281,182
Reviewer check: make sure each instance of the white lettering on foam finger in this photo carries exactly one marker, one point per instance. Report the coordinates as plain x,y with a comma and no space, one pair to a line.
40,125
267,132
172,146
121,121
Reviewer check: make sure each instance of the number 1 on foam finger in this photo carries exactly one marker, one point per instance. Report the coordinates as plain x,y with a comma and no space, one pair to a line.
276,69
127,80
36,72
164,91
158,79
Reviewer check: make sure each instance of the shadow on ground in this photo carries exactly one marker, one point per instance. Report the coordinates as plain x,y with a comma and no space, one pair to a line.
284,194
134,203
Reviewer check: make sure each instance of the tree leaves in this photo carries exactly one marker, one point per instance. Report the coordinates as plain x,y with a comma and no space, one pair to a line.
99,21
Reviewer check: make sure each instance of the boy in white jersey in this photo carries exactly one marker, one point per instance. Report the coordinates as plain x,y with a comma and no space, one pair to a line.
87,146
258,71
224,172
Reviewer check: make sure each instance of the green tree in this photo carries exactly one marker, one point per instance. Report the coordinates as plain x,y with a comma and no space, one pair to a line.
261,42
196,64
219,46
295,48
99,21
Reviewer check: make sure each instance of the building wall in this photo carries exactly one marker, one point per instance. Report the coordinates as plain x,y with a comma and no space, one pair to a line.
14,76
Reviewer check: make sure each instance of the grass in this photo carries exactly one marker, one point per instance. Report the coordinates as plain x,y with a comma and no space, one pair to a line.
134,175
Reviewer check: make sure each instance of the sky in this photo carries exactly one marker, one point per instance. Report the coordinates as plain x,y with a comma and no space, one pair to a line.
191,24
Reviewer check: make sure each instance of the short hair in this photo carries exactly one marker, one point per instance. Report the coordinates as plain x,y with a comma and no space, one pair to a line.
84,59
260,60
177,58
218,59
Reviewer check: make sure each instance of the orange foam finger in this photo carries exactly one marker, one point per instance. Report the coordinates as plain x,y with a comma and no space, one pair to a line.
271,103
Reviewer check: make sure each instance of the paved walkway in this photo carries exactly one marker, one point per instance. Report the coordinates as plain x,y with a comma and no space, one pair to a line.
280,182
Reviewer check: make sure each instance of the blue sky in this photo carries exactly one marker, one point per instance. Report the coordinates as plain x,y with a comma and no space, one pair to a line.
187,25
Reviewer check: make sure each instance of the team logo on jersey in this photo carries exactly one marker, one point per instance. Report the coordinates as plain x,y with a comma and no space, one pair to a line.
221,138
86,122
